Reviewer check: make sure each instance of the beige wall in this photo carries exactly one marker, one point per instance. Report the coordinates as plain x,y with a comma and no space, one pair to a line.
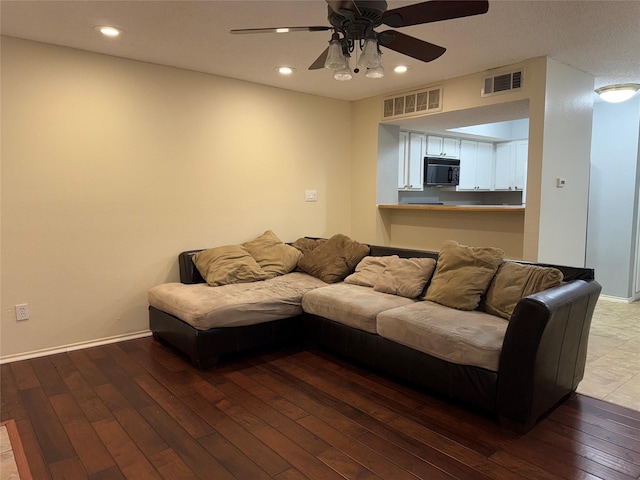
110,167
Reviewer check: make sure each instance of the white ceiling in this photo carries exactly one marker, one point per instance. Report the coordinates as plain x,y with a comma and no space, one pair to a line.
601,38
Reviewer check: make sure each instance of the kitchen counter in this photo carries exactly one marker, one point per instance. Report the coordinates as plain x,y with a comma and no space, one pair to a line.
453,208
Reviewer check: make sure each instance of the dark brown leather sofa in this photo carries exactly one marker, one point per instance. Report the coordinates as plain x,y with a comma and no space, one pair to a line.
541,362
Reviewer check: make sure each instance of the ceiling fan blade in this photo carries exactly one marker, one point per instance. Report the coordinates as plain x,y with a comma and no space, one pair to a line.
319,63
242,31
433,11
410,46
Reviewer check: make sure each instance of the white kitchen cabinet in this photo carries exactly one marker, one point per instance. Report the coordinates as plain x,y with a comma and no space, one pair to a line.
476,166
438,146
411,161
521,165
505,167
511,166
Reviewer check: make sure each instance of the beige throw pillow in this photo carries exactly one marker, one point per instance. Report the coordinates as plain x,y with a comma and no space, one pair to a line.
406,277
463,274
514,281
228,264
274,256
305,245
333,260
368,270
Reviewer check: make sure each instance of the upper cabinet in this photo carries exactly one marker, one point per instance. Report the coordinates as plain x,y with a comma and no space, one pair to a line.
511,166
438,146
411,161
476,165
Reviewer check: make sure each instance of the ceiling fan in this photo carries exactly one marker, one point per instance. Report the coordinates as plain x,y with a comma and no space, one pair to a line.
353,22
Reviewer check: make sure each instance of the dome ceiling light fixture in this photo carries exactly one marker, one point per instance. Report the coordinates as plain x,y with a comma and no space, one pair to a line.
618,93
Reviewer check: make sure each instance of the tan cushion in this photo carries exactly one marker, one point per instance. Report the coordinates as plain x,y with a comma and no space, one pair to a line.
334,259
228,264
305,245
368,270
472,338
234,305
463,274
352,305
274,256
406,276
514,281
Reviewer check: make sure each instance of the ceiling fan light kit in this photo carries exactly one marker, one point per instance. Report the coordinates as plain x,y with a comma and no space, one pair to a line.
618,93
375,72
370,57
354,22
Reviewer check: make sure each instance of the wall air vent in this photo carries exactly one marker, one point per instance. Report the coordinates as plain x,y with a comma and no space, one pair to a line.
413,103
505,82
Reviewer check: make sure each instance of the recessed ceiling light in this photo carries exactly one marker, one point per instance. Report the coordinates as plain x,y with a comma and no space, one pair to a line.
401,69
285,70
108,30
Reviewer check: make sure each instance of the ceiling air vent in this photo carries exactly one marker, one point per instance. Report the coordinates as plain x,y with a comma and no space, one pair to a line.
502,83
412,103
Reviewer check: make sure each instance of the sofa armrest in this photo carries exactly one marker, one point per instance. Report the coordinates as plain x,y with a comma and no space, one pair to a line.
544,351
188,271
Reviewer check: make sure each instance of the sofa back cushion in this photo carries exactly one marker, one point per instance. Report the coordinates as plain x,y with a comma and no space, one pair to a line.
333,260
368,270
228,264
514,281
463,274
274,256
405,276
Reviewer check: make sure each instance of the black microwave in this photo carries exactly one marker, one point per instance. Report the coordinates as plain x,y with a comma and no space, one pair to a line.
441,171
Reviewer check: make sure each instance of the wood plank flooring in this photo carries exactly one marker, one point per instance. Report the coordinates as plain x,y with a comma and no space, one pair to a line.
136,410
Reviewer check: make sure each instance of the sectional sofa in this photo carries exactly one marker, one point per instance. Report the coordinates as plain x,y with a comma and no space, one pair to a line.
509,338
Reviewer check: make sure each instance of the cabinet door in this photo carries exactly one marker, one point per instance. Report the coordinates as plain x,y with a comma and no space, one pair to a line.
434,145
403,161
468,152
484,166
504,169
450,147
520,167
417,146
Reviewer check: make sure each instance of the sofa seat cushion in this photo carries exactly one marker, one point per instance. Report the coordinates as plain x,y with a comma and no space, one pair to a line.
234,305
471,338
352,305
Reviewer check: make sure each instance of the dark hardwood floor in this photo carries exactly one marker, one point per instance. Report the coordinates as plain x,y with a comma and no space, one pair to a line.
136,410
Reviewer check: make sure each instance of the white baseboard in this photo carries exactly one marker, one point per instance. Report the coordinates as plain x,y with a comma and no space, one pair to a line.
611,298
74,346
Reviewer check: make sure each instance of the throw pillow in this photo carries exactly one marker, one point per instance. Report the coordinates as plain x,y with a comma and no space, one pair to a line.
333,260
406,277
463,274
514,281
368,270
228,264
305,245
274,256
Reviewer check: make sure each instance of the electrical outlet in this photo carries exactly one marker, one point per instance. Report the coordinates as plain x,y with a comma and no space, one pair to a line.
22,312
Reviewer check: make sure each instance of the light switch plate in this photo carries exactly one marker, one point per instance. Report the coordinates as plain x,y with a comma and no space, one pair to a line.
310,195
